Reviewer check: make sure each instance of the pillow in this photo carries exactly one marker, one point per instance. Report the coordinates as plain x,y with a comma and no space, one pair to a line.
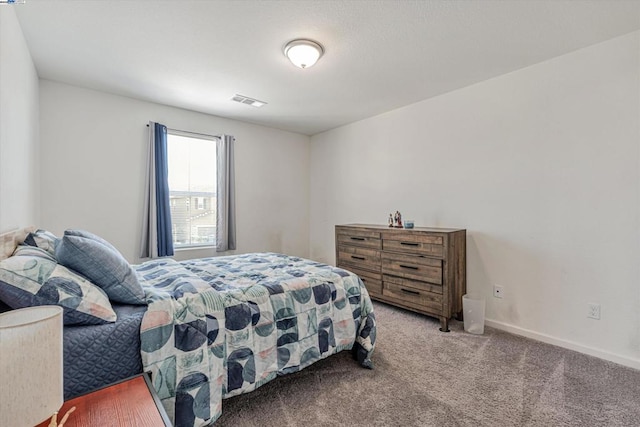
96,259
43,239
26,250
27,281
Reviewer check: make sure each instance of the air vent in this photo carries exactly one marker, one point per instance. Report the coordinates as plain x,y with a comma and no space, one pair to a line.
248,101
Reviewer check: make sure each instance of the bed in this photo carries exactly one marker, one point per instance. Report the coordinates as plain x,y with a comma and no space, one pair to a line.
213,328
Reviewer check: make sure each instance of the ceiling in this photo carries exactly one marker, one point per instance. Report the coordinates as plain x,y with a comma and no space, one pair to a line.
379,55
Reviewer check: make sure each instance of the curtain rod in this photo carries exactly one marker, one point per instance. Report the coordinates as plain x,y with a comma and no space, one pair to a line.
191,133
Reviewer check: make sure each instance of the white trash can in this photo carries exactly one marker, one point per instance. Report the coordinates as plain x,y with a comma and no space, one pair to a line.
473,309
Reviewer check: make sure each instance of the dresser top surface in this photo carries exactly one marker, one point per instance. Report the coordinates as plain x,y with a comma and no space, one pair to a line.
387,228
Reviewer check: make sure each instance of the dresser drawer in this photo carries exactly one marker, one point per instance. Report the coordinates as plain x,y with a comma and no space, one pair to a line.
423,244
415,284
356,232
412,267
419,299
362,239
374,287
372,281
364,258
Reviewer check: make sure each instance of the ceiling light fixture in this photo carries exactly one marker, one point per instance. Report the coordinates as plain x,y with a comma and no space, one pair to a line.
303,53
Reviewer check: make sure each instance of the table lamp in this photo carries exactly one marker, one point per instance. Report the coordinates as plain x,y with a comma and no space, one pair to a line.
31,389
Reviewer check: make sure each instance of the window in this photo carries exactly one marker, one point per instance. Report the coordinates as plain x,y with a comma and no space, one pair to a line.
201,203
192,190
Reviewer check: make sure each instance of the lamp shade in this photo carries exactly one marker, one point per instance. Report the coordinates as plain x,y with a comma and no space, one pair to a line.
31,388
303,53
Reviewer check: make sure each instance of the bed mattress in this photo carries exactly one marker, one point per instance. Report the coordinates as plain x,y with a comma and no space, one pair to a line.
97,355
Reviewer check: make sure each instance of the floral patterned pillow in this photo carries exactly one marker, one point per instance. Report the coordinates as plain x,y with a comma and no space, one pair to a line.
29,279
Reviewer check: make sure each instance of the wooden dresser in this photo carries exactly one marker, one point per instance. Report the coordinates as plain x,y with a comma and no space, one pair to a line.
420,269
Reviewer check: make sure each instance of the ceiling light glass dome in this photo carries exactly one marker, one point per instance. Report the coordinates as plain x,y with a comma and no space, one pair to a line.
303,53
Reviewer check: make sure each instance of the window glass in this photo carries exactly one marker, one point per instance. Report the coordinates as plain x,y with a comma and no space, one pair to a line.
192,190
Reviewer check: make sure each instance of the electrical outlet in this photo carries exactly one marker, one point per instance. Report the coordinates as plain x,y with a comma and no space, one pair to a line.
498,291
593,311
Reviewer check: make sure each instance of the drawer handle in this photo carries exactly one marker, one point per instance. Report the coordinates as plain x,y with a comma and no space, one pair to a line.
408,291
409,244
410,267
361,258
362,239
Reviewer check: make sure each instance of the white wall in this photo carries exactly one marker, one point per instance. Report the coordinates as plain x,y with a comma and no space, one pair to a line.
541,166
18,127
93,169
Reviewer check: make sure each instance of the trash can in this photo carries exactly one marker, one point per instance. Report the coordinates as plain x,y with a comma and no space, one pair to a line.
473,309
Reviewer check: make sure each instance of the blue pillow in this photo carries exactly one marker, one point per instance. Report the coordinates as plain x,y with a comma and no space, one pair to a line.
27,281
100,262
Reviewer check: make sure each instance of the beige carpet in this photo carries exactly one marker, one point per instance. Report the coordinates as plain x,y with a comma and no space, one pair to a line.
424,377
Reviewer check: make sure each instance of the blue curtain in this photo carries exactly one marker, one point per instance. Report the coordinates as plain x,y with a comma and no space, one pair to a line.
165,239
157,239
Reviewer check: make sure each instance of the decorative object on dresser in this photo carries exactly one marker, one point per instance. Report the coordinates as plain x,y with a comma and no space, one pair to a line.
130,402
420,269
395,220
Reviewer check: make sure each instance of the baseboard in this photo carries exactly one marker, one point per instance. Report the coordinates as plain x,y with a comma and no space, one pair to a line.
612,357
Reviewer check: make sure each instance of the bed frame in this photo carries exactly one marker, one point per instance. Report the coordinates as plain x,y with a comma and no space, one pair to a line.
10,240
